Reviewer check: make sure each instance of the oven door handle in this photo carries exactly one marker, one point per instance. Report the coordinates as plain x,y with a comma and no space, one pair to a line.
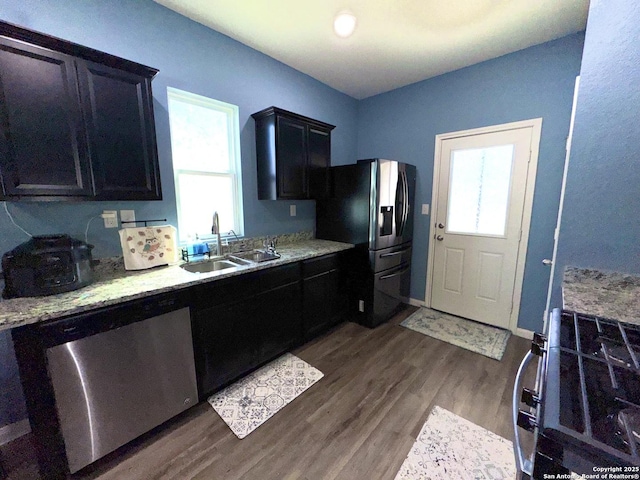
522,464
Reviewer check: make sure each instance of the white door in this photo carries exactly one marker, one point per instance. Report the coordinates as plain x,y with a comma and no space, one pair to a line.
481,191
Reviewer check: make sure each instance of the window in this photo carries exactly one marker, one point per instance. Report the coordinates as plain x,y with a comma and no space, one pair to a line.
205,144
480,182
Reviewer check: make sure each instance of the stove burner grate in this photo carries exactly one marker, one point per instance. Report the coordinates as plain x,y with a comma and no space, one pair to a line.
598,390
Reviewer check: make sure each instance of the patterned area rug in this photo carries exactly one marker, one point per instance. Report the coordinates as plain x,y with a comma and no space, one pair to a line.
450,447
254,399
477,337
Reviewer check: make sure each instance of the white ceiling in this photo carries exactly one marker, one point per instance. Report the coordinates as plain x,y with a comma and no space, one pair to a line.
396,42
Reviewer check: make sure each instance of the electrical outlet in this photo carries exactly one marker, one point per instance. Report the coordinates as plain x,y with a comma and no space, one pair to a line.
361,305
425,209
127,216
292,210
110,218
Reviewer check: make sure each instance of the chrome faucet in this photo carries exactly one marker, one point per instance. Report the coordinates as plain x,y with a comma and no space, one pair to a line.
215,229
270,245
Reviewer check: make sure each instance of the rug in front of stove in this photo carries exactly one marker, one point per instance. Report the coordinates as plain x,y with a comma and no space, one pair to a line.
254,399
450,447
476,337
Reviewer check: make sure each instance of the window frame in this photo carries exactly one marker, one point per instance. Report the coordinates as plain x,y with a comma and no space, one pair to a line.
232,113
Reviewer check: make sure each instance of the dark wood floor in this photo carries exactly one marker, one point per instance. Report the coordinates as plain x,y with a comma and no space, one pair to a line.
358,422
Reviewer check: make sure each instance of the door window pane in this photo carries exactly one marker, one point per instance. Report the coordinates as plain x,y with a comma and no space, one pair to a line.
479,186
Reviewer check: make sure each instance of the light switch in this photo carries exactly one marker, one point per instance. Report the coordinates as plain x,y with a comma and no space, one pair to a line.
292,210
425,209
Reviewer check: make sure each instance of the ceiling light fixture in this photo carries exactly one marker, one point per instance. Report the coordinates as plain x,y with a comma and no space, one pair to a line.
344,24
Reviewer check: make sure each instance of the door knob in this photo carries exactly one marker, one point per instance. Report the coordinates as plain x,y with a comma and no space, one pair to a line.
547,262
439,238
440,225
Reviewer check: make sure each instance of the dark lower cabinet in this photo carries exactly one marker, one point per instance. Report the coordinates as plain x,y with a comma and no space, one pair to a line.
243,322
262,319
324,293
226,341
278,312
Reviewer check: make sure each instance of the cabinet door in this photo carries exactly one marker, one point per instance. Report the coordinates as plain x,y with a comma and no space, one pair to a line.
318,161
118,110
319,294
42,148
279,317
291,146
226,341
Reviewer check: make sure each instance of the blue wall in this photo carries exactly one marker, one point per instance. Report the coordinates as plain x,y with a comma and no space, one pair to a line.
190,57
600,227
531,83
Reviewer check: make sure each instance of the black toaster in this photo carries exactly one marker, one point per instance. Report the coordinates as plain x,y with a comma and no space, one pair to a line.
46,265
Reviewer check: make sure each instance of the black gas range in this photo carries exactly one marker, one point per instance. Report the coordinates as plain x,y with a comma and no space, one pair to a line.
584,409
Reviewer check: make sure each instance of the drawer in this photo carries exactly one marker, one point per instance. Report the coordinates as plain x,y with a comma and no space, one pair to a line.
390,257
315,266
227,290
275,277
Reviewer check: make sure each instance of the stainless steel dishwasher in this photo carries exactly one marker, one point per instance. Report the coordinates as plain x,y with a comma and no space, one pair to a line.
122,374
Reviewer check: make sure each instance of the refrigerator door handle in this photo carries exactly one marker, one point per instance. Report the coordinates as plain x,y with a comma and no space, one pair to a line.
405,208
401,203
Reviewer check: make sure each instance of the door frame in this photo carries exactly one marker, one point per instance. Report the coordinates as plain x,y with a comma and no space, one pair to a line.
536,130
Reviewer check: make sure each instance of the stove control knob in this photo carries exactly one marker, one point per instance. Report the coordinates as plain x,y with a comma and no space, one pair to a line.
530,397
537,344
527,421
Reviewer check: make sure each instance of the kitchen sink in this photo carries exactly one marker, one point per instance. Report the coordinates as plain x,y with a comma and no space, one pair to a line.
255,256
210,266
235,260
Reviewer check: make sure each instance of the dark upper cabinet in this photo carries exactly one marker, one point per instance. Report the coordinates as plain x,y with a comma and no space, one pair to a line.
42,145
319,160
293,153
118,109
75,123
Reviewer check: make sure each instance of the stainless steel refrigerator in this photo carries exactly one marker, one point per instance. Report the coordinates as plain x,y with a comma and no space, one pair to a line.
370,204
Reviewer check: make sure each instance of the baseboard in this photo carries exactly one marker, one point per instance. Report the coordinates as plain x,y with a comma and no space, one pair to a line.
524,333
416,303
14,430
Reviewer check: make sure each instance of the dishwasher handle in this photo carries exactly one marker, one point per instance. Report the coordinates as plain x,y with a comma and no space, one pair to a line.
522,464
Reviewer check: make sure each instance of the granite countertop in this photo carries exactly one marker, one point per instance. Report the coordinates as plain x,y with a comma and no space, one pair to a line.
115,285
605,294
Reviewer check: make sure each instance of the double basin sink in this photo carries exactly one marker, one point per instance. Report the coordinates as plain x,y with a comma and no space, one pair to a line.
232,260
